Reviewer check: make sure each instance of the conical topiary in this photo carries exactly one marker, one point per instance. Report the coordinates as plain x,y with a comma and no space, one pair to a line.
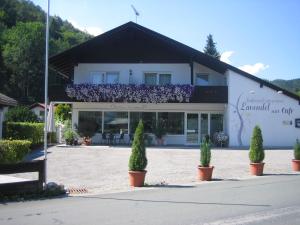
205,154
256,154
138,159
297,150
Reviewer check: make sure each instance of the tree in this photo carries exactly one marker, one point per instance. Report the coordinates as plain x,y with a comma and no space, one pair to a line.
256,154
210,48
20,114
62,113
138,159
23,55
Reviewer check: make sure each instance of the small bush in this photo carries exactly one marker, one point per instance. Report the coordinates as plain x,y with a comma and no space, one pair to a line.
256,154
138,160
21,114
205,154
69,136
34,132
13,151
297,150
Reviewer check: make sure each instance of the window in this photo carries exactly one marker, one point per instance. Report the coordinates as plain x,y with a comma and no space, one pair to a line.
201,79
150,78
97,77
172,122
149,121
204,125
112,78
90,116
115,122
157,78
216,123
164,79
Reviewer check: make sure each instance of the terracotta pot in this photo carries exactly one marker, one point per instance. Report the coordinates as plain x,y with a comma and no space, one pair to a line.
205,173
137,178
296,165
256,169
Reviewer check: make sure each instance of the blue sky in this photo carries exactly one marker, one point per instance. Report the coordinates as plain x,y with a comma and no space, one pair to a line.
259,36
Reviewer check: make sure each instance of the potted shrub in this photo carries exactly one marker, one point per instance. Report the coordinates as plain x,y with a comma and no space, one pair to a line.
159,133
204,169
87,130
256,153
69,136
296,160
138,159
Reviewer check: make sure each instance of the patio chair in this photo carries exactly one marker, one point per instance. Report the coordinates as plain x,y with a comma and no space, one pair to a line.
111,138
104,138
121,138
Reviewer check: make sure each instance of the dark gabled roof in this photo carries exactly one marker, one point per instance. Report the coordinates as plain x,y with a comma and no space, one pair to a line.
133,43
7,101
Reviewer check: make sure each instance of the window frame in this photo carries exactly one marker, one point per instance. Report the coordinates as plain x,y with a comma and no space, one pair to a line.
202,74
157,77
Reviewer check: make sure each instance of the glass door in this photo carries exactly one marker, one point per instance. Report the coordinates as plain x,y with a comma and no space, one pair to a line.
192,128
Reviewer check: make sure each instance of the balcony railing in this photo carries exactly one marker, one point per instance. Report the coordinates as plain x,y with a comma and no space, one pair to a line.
140,93
210,94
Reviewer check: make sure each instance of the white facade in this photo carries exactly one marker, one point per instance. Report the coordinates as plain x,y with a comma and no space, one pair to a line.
249,103
274,112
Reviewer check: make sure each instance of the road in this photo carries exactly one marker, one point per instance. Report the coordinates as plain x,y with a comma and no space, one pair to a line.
264,200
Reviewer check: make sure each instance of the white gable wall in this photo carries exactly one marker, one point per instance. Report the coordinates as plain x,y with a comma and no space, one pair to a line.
275,113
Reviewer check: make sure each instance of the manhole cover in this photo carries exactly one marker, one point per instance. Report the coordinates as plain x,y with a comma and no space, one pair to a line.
75,191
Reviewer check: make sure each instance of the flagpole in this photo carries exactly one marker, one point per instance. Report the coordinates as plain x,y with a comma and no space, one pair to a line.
46,90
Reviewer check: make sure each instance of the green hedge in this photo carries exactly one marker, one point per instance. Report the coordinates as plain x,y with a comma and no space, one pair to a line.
13,151
34,132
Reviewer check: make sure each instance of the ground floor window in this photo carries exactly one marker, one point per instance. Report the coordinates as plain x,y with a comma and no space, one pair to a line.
216,123
116,122
94,117
149,120
172,122
194,126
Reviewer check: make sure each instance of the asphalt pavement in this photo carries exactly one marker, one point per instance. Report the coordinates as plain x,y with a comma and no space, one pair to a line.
264,200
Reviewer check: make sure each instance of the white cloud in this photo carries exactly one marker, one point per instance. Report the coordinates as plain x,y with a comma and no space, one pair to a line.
255,68
225,56
91,30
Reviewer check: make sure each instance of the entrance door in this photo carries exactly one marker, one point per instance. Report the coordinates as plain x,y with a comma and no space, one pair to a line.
192,128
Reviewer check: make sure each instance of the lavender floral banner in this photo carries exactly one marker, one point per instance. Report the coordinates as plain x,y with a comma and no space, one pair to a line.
130,93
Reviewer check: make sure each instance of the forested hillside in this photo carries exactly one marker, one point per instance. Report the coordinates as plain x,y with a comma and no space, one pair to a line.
22,48
290,85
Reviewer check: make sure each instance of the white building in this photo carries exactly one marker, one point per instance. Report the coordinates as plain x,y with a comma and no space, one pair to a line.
5,103
132,73
39,110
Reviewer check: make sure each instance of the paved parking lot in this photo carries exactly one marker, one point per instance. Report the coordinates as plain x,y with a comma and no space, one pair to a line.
103,169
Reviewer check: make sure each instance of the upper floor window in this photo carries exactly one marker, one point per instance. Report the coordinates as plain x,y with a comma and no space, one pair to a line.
157,78
201,79
98,77
164,79
112,77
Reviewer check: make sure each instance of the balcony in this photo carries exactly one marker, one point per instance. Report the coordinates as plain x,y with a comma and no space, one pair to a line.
210,94
139,93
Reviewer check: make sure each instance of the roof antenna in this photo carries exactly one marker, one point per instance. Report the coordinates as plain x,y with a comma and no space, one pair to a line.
135,12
